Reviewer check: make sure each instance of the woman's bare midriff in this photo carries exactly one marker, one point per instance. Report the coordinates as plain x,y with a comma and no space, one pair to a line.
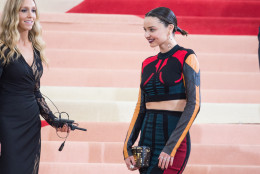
170,105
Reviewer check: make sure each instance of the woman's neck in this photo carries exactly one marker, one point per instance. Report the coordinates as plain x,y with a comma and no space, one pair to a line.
168,45
24,40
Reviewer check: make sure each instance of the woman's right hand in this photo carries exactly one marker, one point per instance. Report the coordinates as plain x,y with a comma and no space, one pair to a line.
130,163
64,128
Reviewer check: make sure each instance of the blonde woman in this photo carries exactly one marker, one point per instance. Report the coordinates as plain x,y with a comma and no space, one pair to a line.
21,102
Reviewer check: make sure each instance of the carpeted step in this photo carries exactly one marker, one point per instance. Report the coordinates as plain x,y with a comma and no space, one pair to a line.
137,42
112,111
52,5
131,94
133,24
117,78
91,59
83,168
111,152
97,168
217,134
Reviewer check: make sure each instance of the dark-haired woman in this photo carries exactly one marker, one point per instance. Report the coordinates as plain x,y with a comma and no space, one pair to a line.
169,98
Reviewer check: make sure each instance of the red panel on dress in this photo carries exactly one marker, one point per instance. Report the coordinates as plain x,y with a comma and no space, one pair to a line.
179,79
148,61
157,65
179,159
164,63
180,56
160,77
148,79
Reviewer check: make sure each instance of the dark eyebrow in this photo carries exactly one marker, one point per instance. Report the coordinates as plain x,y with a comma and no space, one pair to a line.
150,27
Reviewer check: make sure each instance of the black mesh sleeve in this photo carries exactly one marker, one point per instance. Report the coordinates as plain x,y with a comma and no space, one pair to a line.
191,74
44,109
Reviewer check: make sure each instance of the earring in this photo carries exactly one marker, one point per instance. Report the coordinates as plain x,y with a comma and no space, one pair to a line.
169,44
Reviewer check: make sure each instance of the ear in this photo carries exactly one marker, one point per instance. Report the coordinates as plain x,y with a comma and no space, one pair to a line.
170,28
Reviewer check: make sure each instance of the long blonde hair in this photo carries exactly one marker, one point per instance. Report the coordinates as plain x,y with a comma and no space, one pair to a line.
9,34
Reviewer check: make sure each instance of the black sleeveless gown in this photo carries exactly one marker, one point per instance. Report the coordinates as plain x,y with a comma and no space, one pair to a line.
21,103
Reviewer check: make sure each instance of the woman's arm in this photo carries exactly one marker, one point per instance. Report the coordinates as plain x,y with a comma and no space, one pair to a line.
135,125
191,74
44,109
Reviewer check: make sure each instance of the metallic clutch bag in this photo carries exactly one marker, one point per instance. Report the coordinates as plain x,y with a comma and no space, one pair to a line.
141,155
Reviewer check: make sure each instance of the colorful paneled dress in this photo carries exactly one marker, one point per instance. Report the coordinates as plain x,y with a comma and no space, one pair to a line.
174,75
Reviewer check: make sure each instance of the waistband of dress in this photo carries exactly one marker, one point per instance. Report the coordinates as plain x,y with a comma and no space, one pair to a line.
165,97
16,92
16,95
175,113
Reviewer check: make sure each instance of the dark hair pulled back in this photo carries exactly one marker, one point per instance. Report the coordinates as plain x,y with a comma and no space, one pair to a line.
166,16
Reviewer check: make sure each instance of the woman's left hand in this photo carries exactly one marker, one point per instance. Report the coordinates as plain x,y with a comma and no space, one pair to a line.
165,160
64,128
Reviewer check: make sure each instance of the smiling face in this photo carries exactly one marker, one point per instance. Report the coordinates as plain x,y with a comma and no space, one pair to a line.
155,32
27,15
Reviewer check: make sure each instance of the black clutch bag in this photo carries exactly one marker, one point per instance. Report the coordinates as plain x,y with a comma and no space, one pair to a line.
141,155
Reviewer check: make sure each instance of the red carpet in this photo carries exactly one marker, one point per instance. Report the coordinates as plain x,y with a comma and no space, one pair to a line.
44,123
220,26
219,8
224,17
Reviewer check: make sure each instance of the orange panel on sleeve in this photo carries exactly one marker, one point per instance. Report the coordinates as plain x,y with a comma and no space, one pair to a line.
133,121
195,112
193,62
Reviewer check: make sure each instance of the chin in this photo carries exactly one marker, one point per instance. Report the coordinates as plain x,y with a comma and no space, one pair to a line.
153,45
25,29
